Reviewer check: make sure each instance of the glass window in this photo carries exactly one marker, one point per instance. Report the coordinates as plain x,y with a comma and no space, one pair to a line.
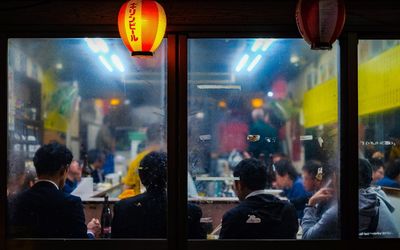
88,119
379,135
262,139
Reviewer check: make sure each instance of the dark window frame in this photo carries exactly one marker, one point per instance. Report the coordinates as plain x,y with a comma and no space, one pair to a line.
177,149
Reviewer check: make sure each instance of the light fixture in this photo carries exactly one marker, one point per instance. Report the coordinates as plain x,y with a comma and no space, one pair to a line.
257,102
105,63
242,62
117,63
115,102
294,59
270,94
257,44
59,66
254,63
267,44
101,44
142,25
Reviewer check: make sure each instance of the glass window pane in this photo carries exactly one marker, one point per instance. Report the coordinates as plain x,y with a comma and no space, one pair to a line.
87,120
379,135
263,139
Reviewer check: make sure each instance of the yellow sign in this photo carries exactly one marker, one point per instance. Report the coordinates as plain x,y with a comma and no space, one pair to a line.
378,90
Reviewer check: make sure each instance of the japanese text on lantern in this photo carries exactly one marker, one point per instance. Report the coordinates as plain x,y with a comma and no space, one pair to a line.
132,23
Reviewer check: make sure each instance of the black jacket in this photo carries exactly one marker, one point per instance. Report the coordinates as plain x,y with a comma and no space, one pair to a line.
46,212
145,216
260,217
141,216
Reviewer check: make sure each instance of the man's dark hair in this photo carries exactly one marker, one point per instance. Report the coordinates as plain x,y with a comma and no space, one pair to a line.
364,173
312,167
252,172
50,158
94,155
283,167
376,164
393,169
153,171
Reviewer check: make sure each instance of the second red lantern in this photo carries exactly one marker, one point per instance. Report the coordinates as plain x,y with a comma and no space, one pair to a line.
320,22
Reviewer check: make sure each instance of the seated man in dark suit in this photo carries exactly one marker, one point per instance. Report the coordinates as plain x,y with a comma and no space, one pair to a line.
259,215
145,215
45,211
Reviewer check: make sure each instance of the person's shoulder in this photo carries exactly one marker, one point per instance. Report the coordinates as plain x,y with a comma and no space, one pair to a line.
135,200
240,210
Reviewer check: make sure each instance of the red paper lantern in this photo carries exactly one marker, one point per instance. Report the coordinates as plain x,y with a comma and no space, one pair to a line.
142,25
320,22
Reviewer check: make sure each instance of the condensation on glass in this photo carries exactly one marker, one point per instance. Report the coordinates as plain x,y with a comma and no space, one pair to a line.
379,138
273,100
109,110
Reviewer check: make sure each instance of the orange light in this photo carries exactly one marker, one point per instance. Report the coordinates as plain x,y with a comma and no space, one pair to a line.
142,25
222,104
115,102
257,102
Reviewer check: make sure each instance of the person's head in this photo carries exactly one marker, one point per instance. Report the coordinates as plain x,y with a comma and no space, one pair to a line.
393,170
316,174
252,175
96,158
378,170
285,173
51,162
364,173
153,171
278,156
257,114
74,171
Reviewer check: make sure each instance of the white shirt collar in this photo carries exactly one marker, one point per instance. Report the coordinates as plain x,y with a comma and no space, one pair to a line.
45,180
257,192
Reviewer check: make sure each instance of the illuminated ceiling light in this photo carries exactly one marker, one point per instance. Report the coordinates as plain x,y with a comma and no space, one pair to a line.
257,102
222,104
219,86
199,115
267,44
101,44
257,44
115,102
92,45
270,93
117,63
254,63
242,62
105,63
142,25
59,66
294,59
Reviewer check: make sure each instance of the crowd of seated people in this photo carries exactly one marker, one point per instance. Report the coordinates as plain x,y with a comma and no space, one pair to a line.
312,201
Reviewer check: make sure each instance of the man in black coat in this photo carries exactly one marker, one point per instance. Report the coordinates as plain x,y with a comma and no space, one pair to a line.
259,215
145,215
45,211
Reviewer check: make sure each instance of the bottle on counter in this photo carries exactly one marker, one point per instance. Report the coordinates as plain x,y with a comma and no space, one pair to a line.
86,171
106,219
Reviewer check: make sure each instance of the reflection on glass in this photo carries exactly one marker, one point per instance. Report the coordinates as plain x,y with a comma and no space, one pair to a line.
262,113
379,138
108,109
